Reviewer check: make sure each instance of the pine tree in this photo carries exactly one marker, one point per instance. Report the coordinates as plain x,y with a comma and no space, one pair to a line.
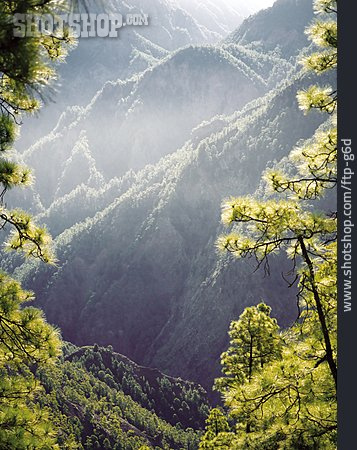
254,342
26,67
27,342
217,433
291,401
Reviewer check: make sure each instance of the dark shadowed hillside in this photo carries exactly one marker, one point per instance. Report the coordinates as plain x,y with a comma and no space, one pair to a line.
142,273
131,189
100,399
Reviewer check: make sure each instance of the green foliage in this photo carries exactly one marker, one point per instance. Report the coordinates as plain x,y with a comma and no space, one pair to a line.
217,433
290,404
324,34
254,342
26,341
26,67
317,97
7,132
325,6
291,401
316,168
91,408
174,400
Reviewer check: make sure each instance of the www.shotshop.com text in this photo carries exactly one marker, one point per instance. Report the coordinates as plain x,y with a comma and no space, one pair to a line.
348,225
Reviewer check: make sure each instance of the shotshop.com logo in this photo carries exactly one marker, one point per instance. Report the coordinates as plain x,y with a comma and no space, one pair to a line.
80,25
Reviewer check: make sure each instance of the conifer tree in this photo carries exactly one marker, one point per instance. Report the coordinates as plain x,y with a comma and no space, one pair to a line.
26,340
217,433
26,66
254,342
26,343
291,402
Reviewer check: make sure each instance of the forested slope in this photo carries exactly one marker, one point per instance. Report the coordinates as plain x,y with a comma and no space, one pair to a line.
100,399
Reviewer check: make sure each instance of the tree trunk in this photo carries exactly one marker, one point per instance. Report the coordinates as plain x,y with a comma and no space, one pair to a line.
329,354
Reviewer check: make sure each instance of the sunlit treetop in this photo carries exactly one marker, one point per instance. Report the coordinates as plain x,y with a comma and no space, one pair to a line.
325,6
27,66
289,400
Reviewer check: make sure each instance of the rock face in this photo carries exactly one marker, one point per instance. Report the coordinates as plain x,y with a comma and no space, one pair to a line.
132,188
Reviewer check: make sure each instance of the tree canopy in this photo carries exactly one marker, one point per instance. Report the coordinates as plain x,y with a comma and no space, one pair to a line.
27,342
26,68
291,401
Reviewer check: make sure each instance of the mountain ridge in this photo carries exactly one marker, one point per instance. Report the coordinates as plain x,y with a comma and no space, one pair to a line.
167,212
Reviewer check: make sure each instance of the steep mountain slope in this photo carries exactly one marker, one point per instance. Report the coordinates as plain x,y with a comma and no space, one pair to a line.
136,220
100,399
97,60
133,123
142,274
280,26
109,114
219,16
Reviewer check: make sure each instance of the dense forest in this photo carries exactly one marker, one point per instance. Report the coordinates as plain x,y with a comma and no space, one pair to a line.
118,244
100,399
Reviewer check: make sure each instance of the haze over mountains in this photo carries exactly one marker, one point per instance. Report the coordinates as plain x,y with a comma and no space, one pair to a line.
280,28
149,116
134,178
173,24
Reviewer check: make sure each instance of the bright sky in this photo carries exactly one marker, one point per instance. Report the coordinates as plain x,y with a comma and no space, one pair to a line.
256,4
263,3
243,6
